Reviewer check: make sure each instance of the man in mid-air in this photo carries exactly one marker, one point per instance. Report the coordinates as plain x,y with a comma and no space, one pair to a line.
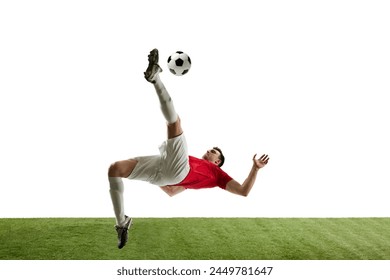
173,169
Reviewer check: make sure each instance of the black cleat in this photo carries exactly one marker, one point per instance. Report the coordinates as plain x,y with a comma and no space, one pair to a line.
153,67
123,232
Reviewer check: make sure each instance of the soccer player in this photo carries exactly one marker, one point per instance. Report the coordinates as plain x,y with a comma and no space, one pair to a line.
173,169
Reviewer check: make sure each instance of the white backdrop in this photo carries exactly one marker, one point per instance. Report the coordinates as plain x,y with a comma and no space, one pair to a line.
305,81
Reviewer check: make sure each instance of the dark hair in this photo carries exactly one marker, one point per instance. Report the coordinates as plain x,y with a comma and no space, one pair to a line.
221,157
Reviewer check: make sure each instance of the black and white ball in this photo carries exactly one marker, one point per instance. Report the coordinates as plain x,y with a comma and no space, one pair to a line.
179,63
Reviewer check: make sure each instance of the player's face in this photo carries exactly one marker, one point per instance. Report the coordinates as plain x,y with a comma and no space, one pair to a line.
212,155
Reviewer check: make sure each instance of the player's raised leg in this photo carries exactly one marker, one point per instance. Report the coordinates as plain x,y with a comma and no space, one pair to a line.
123,169
166,103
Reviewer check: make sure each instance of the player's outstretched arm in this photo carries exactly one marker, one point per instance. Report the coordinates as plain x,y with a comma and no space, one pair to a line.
172,190
234,187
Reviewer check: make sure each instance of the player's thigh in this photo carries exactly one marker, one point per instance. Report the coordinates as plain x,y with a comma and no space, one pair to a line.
175,129
122,168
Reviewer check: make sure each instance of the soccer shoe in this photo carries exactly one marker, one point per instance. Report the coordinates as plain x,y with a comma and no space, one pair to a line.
123,232
153,67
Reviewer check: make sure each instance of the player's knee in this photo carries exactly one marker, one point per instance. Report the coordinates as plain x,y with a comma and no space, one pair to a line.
121,168
175,129
115,170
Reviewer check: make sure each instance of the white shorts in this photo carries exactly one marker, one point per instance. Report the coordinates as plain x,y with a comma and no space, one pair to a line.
168,168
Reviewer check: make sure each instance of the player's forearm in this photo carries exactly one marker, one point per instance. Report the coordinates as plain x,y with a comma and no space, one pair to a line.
250,181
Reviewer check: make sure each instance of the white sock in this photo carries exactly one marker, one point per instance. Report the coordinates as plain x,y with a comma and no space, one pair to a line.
166,102
116,192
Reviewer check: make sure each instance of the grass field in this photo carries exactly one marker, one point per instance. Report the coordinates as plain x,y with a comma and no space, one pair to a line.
197,238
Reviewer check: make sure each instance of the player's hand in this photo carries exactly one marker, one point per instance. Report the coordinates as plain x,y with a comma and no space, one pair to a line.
261,162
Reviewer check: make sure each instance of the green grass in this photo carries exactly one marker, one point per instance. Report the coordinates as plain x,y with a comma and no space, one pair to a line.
197,238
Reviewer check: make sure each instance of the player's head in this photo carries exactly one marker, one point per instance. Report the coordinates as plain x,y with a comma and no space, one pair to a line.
215,156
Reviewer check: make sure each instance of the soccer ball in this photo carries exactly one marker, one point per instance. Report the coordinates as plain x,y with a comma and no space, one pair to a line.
179,63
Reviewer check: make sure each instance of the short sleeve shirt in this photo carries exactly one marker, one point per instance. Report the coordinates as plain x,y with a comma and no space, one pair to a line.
204,174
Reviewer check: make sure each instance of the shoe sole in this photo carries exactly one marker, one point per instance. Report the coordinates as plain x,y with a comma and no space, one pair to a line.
153,58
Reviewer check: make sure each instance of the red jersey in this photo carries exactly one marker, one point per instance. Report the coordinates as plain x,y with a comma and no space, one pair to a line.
204,174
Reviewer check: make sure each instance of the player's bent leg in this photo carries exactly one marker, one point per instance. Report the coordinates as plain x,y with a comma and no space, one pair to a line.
116,172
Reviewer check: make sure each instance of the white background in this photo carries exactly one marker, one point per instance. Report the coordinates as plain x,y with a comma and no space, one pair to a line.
306,82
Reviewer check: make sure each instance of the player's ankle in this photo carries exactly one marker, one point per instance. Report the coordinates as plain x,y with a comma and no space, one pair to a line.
156,81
